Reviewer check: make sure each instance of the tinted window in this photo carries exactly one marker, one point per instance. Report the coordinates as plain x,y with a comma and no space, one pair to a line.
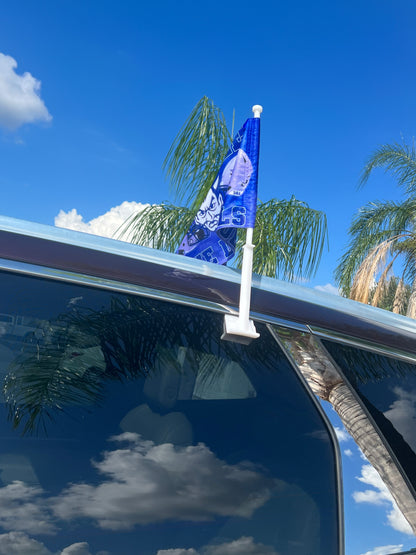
387,387
128,424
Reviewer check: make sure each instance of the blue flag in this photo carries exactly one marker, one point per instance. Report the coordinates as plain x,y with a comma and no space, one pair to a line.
230,203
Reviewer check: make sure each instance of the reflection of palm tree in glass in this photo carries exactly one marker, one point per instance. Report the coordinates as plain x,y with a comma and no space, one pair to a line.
328,384
131,339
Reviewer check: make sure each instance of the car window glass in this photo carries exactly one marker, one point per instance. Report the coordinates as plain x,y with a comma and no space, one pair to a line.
128,426
387,388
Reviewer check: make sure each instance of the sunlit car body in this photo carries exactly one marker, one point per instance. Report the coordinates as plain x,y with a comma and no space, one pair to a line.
129,425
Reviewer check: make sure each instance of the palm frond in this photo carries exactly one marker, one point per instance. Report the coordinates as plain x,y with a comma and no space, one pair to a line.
396,159
382,284
364,278
160,226
392,217
47,380
400,298
409,264
197,153
289,237
374,223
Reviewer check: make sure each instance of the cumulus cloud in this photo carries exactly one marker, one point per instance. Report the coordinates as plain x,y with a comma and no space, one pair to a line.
145,483
342,434
348,452
381,496
384,550
328,288
19,543
105,225
242,546
20,102
177,552
23,508
80,548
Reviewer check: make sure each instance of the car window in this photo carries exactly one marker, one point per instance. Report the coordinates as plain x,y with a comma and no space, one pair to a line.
387,388
128,426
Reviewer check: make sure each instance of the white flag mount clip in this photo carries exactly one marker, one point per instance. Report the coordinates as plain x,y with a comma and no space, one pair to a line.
240,329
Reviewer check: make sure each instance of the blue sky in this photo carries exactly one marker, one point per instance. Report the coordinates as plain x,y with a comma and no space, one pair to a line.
111,84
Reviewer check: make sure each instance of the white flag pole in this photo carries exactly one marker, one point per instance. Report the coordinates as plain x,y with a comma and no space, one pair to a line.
240,328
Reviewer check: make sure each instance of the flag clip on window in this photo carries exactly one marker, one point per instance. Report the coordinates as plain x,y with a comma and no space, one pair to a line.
241,329
231,204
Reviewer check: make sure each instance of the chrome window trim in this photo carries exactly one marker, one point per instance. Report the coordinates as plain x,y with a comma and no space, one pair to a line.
363,344
311,297
25,268
330,428
128,288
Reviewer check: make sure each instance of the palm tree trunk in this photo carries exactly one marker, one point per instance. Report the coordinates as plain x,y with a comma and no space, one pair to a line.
360,428
411,307
399,298
326,382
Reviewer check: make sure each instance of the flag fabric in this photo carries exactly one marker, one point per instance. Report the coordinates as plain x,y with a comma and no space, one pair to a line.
230,203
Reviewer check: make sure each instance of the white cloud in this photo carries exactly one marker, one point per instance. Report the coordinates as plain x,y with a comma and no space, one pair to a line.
80,548
328,288
348,452
369,496
20,102
105,225
381,496
242,546
177,552
19,543
22,508
384,550
342,434
147,483
397,521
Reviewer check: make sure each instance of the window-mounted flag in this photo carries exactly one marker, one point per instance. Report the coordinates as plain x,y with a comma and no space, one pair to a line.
230,203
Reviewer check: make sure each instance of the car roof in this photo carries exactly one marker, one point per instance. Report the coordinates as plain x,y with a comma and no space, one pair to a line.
118,261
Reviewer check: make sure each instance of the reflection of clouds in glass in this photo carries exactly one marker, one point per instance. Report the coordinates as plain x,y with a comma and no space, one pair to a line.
402,414
380,495
22,507
342,434
19,543
385,550
153,483
243,546
177,552
80,548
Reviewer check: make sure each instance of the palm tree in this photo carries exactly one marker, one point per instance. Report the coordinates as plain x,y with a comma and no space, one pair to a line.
289,235
383,236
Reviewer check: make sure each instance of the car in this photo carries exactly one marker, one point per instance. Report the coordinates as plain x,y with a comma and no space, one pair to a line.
130,425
